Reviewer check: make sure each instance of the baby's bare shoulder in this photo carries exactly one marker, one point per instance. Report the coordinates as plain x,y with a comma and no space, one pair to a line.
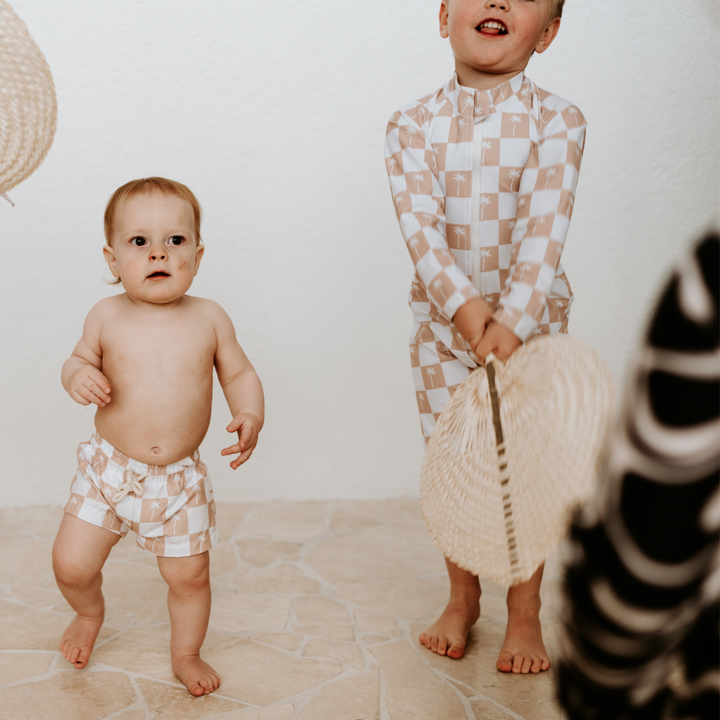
208,310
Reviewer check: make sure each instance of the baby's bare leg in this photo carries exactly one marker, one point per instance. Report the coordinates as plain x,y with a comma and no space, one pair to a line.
523,650
79,553
448,635
188,580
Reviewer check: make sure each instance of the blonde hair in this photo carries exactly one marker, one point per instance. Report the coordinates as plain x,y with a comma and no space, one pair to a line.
556,12
147,186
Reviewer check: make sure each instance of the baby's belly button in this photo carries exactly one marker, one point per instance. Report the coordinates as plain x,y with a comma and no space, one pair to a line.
155,450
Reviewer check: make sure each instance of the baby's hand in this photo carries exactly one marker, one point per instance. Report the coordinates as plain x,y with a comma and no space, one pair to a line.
89,385
247,427
498,340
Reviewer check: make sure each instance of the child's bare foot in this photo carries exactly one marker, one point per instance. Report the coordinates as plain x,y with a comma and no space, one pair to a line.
199,677
523,650
78,640
449,634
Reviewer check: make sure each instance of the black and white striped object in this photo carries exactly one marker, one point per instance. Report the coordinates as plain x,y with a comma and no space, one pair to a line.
640,636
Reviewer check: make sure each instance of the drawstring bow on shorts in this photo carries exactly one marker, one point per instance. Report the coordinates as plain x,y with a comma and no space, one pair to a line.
132,483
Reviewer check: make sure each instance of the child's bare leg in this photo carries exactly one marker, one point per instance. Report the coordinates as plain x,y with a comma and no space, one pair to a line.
79,553
523,650
188,581
448,635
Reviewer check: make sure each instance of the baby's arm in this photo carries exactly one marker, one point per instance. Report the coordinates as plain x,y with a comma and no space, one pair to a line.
546,197
81,376
242,388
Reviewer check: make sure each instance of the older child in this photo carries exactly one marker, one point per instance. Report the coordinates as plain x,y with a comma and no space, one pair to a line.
483,175
146,360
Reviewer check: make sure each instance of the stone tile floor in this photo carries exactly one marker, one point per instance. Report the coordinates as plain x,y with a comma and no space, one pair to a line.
316,611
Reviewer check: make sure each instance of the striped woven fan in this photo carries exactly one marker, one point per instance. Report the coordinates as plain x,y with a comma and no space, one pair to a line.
513,453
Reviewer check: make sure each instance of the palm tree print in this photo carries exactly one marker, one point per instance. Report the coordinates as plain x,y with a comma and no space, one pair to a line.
524,268
418,178
483,254
437,286
515,119
484,145
410,130
511,225
459,231
513,174
413,243
459,178
551,172
484,200
430,372
537,331
154,505
538,221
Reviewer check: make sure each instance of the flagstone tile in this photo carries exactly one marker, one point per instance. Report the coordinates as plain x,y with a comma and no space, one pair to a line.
309,610
353,698
284,521
379,553
398,509
223,560
410,598
38,520
131,714
134,592
166,702
69,696
235,611
486,710
330,632
277,712
36,597
286,641
375,639
26,561
229,515
347,522
16,666
24,628
262,553
477,670
260,675
143,650
412,691
376,623
286,579
346,653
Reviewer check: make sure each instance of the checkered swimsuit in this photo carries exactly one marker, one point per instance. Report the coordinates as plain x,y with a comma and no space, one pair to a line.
169,507
484,185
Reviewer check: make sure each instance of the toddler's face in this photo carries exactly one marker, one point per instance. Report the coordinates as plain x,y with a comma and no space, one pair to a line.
497,37
153,248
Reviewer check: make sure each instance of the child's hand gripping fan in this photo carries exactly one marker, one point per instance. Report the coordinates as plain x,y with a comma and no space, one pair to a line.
514,452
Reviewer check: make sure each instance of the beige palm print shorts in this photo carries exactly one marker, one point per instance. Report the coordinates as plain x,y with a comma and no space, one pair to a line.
169,507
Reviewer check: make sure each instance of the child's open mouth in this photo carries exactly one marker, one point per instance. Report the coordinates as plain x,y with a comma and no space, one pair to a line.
158,274
492,27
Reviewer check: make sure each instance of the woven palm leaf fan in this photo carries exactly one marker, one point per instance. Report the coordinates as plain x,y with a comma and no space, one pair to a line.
28,106
512,454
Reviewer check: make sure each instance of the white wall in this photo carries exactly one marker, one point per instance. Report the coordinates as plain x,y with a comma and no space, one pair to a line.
274,113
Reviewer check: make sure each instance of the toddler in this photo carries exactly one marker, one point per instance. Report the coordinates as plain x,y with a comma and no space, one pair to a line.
146,360
483,174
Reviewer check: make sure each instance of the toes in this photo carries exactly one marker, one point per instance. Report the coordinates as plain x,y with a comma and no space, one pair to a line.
195,688
505,662
456,651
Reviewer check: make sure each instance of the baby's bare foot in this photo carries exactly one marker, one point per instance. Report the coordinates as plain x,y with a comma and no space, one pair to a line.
199,677
523,650
78,640
448,635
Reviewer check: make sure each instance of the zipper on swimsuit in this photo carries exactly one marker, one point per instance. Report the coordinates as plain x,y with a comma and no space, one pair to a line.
478,133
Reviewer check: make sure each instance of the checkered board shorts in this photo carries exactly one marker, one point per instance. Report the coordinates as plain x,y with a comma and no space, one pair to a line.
173,517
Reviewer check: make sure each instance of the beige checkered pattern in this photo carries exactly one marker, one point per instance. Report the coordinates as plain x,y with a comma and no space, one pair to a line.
175,517
523,146
501,239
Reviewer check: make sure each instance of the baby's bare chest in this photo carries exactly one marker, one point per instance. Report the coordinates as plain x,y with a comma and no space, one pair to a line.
167,348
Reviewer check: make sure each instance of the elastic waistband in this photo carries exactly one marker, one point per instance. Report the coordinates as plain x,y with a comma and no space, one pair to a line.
114,455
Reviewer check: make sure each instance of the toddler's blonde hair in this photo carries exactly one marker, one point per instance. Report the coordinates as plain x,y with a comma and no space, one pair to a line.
147,186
